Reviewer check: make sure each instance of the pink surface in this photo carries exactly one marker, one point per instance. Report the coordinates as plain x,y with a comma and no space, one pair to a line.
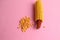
12,10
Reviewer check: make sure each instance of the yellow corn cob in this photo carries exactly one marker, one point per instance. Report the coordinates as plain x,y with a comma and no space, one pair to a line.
38,12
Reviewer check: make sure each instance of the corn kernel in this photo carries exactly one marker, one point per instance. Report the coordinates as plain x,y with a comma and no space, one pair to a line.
25,23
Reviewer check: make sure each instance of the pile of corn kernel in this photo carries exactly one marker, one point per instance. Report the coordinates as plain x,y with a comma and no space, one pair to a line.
25,23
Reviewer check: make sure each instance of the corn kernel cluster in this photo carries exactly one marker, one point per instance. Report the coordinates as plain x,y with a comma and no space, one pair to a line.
25,23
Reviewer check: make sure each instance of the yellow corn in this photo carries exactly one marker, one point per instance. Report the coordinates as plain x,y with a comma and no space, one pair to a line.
24,23
38,10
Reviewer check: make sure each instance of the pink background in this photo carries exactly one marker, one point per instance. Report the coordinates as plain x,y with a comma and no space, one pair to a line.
12,10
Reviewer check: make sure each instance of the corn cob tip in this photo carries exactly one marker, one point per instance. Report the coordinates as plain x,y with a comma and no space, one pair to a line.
38,24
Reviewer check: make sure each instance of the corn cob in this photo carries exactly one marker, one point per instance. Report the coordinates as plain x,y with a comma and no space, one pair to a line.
38,13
